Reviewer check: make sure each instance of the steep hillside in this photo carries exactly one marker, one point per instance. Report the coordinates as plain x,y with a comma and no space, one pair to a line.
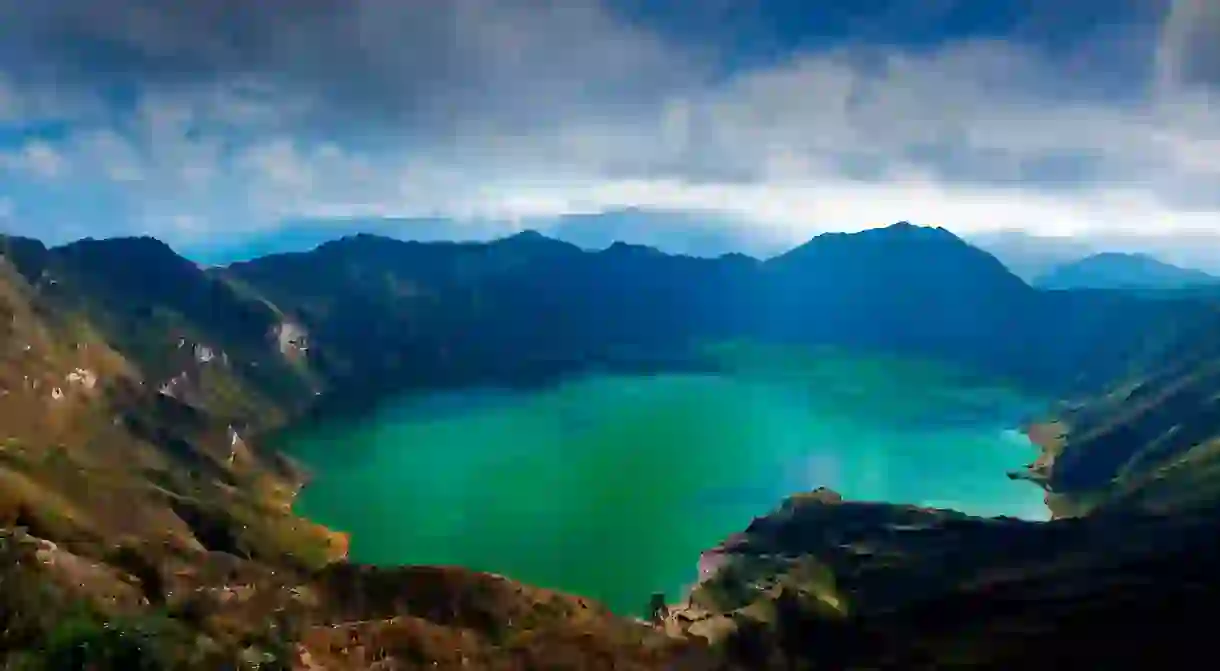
123,453
822,583
385,313
188,333
904,288
1122,271
127,393
1151,442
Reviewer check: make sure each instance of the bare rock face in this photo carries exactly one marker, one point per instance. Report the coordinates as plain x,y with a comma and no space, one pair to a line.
819,495
291,338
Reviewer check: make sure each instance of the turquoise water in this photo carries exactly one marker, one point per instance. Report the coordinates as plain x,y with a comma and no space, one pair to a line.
610,486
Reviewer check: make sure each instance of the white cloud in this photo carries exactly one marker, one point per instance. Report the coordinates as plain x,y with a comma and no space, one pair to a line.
112,155
975,135
1189,49
791,211
37,158
788,131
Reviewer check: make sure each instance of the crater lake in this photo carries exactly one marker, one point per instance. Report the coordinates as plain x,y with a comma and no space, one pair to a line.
609,486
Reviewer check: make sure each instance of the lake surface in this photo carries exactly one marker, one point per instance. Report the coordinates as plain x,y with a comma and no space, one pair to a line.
610,486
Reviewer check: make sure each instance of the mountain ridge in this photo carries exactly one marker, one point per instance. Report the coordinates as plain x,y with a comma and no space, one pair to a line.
1118,270
693,234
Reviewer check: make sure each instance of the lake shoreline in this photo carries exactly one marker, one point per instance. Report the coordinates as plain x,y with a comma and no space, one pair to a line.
1051,438
650,407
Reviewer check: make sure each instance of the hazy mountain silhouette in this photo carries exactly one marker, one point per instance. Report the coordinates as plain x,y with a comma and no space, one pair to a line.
1113,270
1031,256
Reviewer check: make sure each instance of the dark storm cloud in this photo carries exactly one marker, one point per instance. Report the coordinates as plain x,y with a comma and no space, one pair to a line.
206,115
419,61
1191,43
501,66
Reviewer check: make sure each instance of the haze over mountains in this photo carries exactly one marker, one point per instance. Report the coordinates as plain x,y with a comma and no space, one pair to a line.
674,232
1032,256
694,234
1113,270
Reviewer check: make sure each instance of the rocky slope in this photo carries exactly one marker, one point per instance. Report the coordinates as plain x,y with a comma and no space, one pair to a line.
823,583
133,491
1149,443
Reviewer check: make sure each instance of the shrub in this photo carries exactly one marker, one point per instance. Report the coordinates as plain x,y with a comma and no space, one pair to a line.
86,642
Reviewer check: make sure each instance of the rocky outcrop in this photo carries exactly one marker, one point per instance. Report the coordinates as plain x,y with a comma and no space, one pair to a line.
209,610
815,547
291,338
844,584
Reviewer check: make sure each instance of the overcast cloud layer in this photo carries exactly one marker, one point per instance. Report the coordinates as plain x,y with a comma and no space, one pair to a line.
199,118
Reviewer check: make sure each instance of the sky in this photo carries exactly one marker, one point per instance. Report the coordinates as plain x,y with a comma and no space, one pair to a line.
207,119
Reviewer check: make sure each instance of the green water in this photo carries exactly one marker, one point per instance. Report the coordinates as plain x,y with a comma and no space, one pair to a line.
610,486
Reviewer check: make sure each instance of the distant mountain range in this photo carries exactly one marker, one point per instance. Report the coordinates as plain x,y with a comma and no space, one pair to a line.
301,235
692,234
1033,256
707,235
675,232
1114,270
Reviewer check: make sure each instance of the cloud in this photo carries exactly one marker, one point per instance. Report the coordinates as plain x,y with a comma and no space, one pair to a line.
36,158
201,118
416,64
1189,52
